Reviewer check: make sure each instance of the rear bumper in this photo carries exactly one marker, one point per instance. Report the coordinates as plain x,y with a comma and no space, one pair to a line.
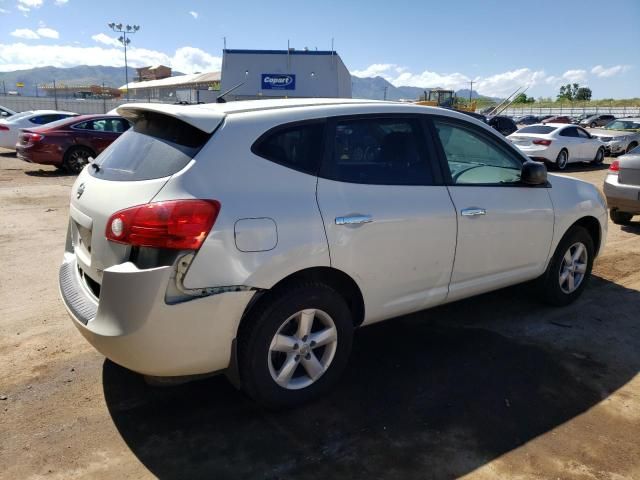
34,156
621,196
133,326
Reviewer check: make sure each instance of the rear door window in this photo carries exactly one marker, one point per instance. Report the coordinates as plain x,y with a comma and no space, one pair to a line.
298,146
156,146
378,151
569,132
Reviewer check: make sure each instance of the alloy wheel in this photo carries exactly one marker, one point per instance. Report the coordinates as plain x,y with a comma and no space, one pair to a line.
573,267
562,160
302,349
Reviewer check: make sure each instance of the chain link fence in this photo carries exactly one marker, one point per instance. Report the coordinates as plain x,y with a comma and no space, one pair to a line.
571,111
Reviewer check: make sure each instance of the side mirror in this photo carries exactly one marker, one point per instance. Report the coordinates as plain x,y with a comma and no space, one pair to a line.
533,173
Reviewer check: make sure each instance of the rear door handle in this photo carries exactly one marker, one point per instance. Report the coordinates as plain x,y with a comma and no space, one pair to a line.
354,220
472,212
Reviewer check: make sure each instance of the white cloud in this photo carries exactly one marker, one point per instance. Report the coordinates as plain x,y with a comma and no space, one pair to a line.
47,32
194,14
27,5
575,76
25,33
375,70
60,3
501,84
18,56
603,72
4,10
106,40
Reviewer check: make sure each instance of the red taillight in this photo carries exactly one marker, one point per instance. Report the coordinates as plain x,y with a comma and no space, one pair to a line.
4,127
615,166
176,224
32,137
539,141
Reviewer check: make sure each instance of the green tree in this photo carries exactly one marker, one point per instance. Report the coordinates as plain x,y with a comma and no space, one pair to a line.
568,92
583,93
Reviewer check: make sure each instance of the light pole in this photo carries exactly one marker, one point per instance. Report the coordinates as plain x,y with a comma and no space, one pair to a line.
124,40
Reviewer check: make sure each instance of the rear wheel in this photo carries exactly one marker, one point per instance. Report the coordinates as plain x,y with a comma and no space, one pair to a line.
295,346
569,269
76,158
599,157
620,218
562,159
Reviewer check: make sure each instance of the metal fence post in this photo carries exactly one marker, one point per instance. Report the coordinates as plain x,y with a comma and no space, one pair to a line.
55,95
104,99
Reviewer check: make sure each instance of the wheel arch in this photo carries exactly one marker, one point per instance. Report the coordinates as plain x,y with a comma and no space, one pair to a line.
332,277
592,226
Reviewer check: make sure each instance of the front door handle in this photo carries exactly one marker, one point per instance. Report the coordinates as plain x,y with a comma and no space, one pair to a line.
472,212
354,220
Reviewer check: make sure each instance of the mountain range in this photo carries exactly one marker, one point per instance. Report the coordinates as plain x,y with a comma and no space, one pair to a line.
375,88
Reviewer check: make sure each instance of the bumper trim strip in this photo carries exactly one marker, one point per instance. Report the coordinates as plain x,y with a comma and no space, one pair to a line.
73,295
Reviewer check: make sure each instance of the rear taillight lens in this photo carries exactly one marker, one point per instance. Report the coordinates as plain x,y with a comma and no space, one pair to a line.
176,224
540,141
4,128
32,137
615,166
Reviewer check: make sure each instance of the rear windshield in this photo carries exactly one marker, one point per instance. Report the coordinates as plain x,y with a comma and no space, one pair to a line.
541,129
156,146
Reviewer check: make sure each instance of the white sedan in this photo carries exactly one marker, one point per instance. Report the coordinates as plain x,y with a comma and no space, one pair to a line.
559,144
10,128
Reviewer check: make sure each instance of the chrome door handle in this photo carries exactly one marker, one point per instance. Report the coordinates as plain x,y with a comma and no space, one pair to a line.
354,220
472,212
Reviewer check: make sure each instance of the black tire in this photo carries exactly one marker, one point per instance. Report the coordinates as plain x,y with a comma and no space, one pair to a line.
593,125
260,327
631,146
549,283
620,218
562,160
599,158
76,158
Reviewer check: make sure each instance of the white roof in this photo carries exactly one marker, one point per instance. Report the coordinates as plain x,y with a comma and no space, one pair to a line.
207,116
177,81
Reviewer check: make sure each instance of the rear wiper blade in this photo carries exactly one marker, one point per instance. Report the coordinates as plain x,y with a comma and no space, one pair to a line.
94,164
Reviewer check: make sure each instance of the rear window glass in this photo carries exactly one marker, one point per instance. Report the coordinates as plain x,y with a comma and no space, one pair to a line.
541,129
155,146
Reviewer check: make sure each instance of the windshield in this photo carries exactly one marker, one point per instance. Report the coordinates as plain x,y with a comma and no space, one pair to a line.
540,129
623,125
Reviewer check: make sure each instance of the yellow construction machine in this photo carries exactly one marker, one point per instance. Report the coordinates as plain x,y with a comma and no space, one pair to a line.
439,97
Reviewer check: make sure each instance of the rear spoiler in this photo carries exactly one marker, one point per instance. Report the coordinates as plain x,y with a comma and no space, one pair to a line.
204,119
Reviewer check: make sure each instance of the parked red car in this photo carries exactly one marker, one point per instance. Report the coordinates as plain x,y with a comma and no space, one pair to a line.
557,119
68,144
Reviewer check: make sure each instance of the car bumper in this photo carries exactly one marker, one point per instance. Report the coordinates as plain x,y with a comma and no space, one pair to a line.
620,196
132,325
31,155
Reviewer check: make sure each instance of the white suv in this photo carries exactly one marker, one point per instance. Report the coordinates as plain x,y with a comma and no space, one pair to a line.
251,238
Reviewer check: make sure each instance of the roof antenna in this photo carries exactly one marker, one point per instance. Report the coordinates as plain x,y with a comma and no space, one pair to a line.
220,99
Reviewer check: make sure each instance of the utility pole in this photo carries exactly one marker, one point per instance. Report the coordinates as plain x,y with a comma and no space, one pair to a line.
471,90
385,93
124,40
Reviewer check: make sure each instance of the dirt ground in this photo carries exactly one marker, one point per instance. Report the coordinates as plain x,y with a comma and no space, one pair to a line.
497,386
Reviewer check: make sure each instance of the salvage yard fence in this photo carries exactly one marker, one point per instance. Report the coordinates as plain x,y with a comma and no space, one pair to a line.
82,106
570,111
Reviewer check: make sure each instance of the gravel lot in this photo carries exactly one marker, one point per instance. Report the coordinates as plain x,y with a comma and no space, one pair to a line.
498,386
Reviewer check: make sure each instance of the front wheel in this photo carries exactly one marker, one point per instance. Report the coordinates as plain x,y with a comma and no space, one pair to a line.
295,346
631,146
569,269
599,158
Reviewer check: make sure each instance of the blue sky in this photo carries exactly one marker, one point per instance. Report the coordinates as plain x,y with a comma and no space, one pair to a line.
499,44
